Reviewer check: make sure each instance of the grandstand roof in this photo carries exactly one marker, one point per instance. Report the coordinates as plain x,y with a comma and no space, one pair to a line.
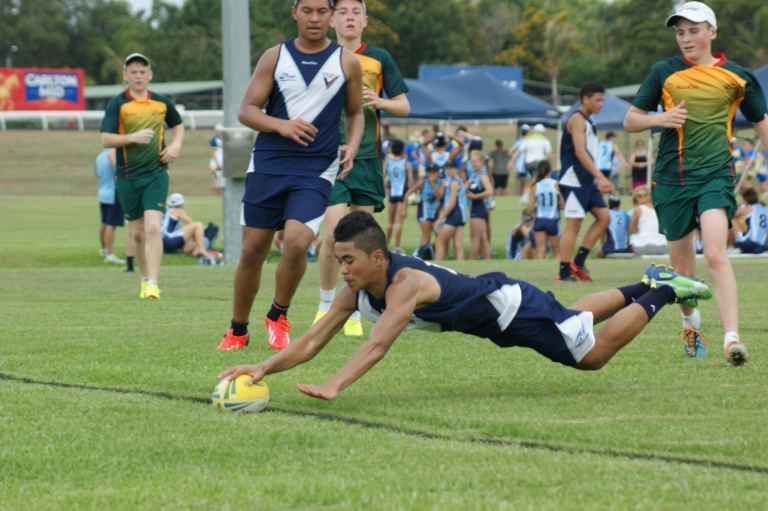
168,88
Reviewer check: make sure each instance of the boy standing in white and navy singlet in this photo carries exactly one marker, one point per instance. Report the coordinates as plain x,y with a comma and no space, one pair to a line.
581,184
305,84
399,292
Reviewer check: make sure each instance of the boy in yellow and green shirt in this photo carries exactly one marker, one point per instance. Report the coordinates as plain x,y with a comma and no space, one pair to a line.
693,180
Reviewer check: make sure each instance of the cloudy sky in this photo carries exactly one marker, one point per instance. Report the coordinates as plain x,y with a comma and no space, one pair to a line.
147,4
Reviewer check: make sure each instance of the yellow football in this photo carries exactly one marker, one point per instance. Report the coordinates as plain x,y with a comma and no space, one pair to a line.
235,396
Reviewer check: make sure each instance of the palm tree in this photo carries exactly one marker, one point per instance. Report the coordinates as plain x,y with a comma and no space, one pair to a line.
559,39
754,41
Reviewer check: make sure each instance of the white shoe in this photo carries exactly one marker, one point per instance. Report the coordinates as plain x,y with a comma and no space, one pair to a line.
112,258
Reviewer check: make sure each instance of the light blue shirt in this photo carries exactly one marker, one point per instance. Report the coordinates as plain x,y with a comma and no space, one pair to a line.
547,199
618,228
605,155
104,170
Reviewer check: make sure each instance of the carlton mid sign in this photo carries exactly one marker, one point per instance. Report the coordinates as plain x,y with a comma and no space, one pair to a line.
42,89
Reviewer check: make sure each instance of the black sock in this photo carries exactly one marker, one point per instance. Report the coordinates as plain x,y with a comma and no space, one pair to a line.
655,299
129,263
565,270
239,328
581,256
633,291
277,310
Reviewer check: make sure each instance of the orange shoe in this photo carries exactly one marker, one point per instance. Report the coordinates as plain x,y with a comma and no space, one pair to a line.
581,272
278,333
233,342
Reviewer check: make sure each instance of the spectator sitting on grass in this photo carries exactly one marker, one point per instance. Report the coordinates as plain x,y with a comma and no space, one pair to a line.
181,233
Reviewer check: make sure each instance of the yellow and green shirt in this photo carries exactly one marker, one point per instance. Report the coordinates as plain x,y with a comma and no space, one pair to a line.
125,114
701,150
380,73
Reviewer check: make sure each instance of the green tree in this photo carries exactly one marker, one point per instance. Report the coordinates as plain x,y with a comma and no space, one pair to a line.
430,33
754,40
527,46
641,40
559,43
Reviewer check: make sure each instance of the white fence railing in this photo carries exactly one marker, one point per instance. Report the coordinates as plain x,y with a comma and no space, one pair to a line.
91,119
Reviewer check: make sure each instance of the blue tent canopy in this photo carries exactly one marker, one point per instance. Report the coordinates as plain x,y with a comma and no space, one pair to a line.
611,117
475,95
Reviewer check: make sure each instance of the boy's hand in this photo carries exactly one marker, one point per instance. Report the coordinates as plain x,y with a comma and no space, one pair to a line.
674,118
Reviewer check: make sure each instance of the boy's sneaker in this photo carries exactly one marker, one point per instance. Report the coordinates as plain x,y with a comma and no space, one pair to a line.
353,328
695,343
143,292
736,354
152,292
112,258
581,273
687,289
233,342
569,278
278,333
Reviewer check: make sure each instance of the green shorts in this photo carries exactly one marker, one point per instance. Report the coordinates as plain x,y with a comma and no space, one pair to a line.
679,207
364,186
146,193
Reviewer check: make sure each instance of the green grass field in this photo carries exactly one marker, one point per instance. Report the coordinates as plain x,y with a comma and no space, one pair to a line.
106,398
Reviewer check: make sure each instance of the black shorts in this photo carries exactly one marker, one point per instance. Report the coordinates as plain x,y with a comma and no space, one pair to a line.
112,214
500,180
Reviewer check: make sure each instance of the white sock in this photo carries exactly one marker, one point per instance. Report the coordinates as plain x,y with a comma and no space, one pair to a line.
151,282
730,336
326,298
692,320
144,279
355,316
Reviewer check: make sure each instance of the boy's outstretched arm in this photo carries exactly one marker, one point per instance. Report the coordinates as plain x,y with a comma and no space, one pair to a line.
403,297
305,347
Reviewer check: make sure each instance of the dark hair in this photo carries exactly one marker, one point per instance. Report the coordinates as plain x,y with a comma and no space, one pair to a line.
614,201
499,142
397,147
331,3
544,168
589,89
610,134
433,168
750,196
363,230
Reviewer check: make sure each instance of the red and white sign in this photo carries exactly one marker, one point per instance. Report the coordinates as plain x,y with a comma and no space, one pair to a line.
42,89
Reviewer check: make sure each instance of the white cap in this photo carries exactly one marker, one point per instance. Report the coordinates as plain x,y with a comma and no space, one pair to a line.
539,128
219,127
135,56
694,11
175,200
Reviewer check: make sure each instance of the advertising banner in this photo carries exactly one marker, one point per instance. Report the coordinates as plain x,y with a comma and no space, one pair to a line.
41,89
